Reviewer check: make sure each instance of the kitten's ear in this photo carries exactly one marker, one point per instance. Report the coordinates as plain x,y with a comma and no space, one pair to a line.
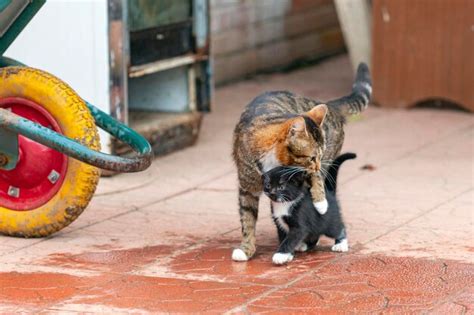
318,113
300,177
298,125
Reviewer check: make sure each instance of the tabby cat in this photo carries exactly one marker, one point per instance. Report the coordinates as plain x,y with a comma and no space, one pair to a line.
281,128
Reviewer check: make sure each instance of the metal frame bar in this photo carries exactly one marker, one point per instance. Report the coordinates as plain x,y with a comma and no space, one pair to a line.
19,125
23,19
10,152
119,59
54,140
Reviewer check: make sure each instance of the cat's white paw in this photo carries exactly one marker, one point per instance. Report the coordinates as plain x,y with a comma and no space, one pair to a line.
302,247
343,246
239,255
321,206
282,258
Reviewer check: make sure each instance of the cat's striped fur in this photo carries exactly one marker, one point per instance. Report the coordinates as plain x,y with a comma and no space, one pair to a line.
281,128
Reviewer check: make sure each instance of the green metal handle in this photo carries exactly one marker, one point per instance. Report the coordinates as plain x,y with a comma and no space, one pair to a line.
54,140
4,4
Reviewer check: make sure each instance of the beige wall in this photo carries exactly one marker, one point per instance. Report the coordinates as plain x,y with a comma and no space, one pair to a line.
249,36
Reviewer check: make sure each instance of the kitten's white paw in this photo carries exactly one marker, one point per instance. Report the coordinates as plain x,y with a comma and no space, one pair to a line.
321,206
239,255
343,246
282,258
302,247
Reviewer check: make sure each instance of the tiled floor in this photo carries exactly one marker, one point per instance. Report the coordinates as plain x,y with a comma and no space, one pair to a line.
161,240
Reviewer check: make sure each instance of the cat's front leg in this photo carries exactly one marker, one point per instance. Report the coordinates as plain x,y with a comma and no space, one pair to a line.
281,234
341,244
287,247
318,193
248,210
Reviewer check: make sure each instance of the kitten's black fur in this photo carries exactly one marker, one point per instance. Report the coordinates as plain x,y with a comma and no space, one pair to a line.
302,223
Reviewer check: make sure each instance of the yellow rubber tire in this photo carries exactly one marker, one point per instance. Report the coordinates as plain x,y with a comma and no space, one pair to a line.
76,122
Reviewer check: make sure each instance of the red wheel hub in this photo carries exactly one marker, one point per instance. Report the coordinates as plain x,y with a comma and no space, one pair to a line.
40,171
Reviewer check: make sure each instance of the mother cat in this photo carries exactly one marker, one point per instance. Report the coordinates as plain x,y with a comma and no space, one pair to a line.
281,128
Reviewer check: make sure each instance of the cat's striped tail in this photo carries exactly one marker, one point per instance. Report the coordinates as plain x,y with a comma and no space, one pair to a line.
358,100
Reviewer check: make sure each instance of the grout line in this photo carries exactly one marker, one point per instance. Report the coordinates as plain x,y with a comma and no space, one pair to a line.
355,250
242,307
80,291
218,189
133,209
186,190
448,135
117,276
411,152
114,192
419,215
451,298
196,187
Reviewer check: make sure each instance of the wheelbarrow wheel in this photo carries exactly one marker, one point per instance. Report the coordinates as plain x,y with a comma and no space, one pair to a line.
47,190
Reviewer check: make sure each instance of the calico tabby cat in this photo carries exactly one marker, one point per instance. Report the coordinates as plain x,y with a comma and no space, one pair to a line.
281,128
298,224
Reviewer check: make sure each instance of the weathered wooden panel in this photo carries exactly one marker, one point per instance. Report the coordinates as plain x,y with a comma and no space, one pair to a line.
250,36
269,31
422,50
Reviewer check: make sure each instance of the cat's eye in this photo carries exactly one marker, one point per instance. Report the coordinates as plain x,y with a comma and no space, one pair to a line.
296,155
313,159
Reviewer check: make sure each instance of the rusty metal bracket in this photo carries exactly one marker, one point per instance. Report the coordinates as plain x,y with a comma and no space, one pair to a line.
9,149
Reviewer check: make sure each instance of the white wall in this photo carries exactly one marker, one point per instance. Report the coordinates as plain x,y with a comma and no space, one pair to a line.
69,38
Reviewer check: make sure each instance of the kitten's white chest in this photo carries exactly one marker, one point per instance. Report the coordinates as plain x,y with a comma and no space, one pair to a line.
269,160
281,209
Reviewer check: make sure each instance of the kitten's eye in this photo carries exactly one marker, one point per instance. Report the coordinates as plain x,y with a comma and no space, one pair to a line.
267,186
313,159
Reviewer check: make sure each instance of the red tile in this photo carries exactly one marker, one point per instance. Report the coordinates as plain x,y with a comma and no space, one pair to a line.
170,295
42,289
119,260
356,283
213,260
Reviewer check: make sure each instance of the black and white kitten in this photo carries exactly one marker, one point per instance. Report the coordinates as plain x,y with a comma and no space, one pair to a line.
298,223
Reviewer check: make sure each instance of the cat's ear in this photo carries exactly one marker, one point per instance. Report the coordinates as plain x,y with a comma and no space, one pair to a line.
298,126
299,177
318,113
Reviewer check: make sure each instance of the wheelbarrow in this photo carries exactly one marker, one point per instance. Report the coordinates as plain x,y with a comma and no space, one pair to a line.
49,143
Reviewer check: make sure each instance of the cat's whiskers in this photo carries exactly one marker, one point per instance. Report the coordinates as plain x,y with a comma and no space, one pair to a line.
292,171
328,176
327,161
285,198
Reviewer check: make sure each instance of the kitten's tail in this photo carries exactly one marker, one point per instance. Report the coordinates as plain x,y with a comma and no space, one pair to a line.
331,178
358,100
